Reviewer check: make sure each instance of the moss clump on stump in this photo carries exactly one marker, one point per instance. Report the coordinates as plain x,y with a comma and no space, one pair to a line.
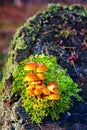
40,96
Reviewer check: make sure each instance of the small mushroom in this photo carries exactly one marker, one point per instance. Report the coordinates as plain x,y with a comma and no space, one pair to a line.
51,85
37,92
39,86
36,82
31,77
56,91
53,97
31,66
46,97
41,68
41,76
46,91
31,92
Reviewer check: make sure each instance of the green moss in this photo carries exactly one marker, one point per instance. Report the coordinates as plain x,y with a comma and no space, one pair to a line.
46,107
53,7
77,9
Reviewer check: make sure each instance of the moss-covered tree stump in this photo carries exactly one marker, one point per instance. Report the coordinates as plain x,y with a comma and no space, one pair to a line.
60,31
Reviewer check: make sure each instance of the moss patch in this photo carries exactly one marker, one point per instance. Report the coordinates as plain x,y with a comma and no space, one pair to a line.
45,107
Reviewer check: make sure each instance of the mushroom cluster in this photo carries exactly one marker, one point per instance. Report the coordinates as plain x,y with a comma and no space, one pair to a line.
35,82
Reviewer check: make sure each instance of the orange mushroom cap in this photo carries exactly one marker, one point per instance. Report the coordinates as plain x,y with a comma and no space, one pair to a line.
46,97
31,92
41,68
31,77
56,91
41,76
36,82
46,91
31,66
53,97
39,86
52,85
37,92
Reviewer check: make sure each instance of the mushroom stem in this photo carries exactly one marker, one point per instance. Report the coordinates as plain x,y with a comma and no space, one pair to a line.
31,71
39,99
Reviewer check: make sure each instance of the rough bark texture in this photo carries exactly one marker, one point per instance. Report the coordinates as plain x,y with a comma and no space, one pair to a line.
62,32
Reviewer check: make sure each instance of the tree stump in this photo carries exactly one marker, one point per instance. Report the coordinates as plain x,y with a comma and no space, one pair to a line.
60,31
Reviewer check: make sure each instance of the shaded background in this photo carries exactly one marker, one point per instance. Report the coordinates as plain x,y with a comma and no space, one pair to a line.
13,13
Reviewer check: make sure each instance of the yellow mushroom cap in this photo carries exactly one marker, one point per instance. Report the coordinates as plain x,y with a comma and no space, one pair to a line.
41,76
31,77
31,66
41,68
46,91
